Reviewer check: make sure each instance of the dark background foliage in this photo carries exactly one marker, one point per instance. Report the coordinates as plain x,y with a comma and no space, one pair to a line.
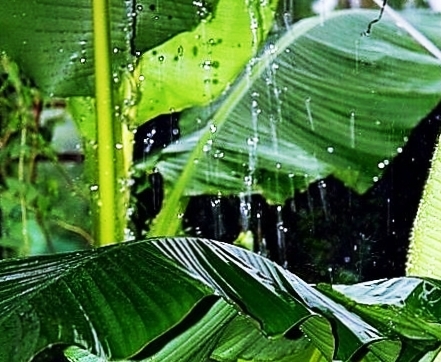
327,233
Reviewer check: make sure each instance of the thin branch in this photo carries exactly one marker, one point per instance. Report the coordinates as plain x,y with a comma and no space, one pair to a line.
411,30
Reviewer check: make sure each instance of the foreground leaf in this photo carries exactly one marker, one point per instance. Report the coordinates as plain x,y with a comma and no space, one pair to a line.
405,307
319,100
158,299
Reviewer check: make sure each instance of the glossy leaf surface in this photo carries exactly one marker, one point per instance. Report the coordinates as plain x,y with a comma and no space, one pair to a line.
158,299
320,99
53,44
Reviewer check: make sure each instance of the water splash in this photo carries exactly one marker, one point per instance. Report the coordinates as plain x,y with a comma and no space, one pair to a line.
357,55
288,12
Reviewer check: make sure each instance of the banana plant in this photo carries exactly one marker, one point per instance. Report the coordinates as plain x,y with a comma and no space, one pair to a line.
313,87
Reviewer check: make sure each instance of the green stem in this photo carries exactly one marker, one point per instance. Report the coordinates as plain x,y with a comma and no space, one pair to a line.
106,229
424,256
168,221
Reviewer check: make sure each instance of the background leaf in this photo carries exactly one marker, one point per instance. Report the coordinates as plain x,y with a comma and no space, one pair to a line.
52,40
321,99
195,67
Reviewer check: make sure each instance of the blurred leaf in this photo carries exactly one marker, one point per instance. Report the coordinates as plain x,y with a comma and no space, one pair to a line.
187,300
319,100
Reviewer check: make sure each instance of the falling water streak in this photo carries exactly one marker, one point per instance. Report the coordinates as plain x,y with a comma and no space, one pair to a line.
281,242
292,189
288,11
323,198
357,55
216,209
260,238
273,95
253,12
388,217
254,139
276,93
245,210
352,129
322,12
309,113
323,7
274,136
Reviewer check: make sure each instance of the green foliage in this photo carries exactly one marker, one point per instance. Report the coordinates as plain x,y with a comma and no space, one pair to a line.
318,100
57,51
37,192
302,125
193,299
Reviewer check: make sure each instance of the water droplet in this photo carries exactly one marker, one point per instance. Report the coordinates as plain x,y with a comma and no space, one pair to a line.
115,50
119,146
330,149
139,7
93,188
208,64
323,198
161,58
248,180
213,128
116,78
219,154
381,165
180,50
82,60
203,9
272,48
399,149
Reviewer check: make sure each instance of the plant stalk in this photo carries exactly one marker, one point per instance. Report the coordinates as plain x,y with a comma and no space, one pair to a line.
106,229
424,256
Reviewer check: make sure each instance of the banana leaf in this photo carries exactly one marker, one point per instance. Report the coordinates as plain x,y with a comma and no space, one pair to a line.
52,41
192,299
320,99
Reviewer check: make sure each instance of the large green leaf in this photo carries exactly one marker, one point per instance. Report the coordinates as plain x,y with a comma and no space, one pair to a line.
320,99
187,300
405,307
194,68
52,41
